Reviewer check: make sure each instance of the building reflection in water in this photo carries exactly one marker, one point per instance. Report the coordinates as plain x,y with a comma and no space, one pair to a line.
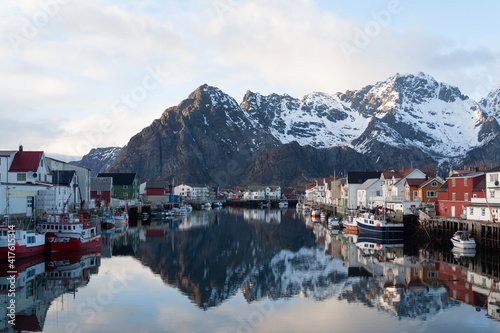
211,256
39,281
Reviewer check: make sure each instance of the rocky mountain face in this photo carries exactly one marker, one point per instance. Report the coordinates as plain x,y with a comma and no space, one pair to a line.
98,159
206,139
405,120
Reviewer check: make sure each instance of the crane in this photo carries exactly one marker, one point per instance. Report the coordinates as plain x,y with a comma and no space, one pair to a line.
493,217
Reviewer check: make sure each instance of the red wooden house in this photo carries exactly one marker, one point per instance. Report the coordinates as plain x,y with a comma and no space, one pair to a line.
101,190
457,192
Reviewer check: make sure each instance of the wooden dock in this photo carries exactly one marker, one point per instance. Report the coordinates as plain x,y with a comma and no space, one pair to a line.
485,233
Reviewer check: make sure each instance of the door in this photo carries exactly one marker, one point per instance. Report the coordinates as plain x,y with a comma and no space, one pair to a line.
453,211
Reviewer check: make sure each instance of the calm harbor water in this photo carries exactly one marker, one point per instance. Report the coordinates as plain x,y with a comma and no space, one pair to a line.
237,270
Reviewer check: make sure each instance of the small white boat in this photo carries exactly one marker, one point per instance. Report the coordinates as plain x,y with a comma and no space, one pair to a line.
283,204
464,240
334,222
206,205
315,213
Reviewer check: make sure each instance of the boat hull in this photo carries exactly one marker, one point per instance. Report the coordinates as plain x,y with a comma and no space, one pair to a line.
381,229
464,244
59,244
21,251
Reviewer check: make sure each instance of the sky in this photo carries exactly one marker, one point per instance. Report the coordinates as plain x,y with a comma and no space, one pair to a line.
82,74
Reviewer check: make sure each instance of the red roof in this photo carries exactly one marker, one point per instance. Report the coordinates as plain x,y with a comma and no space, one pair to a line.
415,181
26,161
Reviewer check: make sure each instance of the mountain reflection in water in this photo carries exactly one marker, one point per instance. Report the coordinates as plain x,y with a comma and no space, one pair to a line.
263,270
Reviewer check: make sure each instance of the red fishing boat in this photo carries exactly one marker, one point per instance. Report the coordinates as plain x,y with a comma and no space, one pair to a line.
16,242
71,232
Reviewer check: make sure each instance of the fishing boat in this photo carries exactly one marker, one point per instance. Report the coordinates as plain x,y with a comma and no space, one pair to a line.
377,224
107,222
121,219
350,224
333,222
70,232
283,204
463,240
17,242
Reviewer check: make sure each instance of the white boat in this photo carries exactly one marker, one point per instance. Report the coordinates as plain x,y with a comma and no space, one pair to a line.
283,204
206,205
121,219
464,240
334,222
315,213
459,252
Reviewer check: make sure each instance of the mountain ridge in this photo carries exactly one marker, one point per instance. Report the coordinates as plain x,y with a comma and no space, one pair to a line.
209,138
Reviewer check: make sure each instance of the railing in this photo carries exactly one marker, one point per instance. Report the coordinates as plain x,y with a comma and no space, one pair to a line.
387,199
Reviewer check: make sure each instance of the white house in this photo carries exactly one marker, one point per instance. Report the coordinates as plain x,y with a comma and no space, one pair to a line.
82,177
255,193
22,175
64,196
350,187
183,190
29,167
394,189
370,189
273,192
487,209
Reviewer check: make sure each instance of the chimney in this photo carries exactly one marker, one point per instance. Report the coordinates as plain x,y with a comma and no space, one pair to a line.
20,147
404,168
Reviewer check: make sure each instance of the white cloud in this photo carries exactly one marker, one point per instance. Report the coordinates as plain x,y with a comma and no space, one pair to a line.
89,54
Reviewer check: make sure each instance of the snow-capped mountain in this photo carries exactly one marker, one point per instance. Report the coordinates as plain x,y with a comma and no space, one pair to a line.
402,111
407,119
99,159
492,102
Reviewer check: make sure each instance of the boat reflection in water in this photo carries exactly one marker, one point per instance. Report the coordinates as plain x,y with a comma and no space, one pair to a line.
39,281
217,270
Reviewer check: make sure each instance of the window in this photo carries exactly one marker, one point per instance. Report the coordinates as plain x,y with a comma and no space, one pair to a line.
431,194
454,196
493,177
434,184
125,187
21,177
466,181
466,196
415,195
453,182
471,210
99,192
483,211
492,193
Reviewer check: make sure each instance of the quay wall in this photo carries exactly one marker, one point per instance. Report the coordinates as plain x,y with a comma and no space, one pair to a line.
485,233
